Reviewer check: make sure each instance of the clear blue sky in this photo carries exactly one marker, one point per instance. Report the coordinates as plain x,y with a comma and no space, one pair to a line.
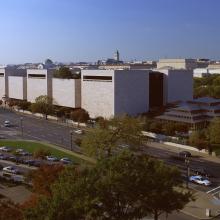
88,30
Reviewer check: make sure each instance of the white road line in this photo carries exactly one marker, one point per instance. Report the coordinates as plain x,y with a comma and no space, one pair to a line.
213,190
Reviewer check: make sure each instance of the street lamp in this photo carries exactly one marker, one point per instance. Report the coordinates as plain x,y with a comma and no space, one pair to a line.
21,125
71,140
187,161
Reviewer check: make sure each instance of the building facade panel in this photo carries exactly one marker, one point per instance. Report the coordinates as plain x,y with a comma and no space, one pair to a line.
17,87
64,92
98,92
131,92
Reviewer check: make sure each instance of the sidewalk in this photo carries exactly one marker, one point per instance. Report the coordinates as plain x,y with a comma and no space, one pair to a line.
202,202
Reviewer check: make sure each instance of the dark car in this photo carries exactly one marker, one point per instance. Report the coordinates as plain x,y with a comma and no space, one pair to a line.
185,154
29,162
3,157
202,172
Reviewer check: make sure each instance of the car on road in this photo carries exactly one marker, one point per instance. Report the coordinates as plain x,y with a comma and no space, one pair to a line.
65,160
51,158
185,154
200,180
10,169
7,123
78,131
5,149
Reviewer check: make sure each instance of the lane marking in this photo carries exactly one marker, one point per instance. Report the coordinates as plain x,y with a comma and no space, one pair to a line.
213,190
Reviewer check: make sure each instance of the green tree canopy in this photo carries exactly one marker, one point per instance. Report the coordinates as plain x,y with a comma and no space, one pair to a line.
124,187
106,138
43,104
214,131
65,73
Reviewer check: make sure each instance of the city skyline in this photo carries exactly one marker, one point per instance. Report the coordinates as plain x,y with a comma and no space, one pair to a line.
83,31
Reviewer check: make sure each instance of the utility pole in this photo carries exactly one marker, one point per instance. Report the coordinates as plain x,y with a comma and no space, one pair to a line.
71,140
187,172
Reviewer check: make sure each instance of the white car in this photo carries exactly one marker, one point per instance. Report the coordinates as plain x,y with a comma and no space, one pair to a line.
79,131
65,160
51,158
5,149
200,180
19,150
7,124
10,169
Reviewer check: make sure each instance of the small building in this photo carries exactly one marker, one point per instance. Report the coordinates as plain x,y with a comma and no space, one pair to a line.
196,113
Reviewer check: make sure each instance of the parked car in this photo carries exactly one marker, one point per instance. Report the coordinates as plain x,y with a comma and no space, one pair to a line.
29,162
185,154
3,157
19,150
51,158
25,153
11,169
200,180
5,149
66,160
7,124
78,131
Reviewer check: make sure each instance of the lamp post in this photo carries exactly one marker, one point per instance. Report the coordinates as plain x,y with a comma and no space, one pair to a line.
187,172
21,125
71,140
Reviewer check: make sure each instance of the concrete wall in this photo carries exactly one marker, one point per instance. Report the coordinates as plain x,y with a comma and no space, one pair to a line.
37,86
17,87
65,92
98,95
131,92
178,85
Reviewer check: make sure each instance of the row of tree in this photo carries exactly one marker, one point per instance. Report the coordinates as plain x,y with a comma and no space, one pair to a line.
44,105
207,137
168,128
207,86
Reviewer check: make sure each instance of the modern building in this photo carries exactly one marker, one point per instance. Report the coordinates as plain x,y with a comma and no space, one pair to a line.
196,113
110,93
39,82
177,84
188,64
66,92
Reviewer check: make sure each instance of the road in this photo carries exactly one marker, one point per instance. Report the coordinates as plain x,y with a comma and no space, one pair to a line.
55,133
36,129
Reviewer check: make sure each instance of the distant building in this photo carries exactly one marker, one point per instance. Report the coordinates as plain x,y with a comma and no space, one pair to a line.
188,64
196,113
117,56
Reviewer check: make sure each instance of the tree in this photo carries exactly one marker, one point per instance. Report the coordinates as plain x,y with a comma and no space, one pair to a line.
103,141
124,187
214,131
43,104
169,129
199,139
65,73
44,177
41,153
10,211
79,115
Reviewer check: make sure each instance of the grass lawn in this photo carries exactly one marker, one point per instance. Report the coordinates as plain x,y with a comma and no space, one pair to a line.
54,150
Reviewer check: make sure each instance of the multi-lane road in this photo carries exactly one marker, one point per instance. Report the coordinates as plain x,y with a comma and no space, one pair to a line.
56,133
